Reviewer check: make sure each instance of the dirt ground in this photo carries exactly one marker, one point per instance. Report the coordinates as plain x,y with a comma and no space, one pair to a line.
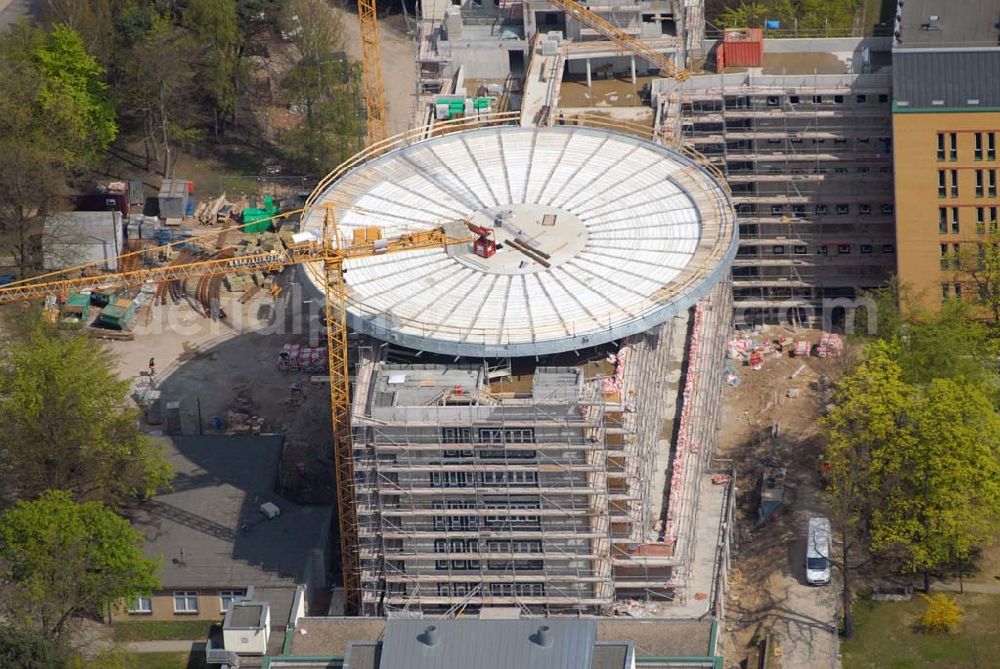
399,70
219,366
768,591
615,92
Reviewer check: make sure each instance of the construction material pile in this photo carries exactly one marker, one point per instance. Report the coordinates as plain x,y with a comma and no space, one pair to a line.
830,346
295,358
753,352
685,446
243,280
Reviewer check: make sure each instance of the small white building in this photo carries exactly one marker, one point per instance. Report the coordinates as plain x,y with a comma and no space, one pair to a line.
246,628
77,237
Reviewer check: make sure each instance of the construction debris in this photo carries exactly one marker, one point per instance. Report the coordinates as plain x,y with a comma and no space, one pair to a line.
296,358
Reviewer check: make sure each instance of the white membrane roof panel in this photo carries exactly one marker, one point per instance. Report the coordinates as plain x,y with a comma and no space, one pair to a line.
600,235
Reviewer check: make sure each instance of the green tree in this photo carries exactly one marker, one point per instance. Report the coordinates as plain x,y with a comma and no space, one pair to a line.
55,118
162,90
33,168
753,13
865,419
940,493
20,649
63,559
215,27
947,344
249,11
327,88
978,266
73,96
93,20
63,424
887,314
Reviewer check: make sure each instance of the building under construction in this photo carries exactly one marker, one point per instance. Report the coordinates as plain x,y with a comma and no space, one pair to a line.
808,156
534,427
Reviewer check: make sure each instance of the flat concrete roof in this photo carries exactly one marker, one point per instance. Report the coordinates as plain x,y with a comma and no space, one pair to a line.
246,615
961,23
651,637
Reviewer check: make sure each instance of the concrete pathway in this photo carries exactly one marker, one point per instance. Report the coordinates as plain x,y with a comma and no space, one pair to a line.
11,11
986,588
173,646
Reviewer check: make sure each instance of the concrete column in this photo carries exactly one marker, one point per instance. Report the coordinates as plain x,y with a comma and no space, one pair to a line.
588,73
632,59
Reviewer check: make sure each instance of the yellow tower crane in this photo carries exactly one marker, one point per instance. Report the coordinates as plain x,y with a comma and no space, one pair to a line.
331,253
371,70
615,34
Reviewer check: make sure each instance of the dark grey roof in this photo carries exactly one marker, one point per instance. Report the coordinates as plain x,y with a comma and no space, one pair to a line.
246,615
960,23
362,655
611,655
930,79
78,237
209,530
494,644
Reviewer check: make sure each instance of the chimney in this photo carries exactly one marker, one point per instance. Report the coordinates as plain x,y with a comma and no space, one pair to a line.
429,637
543,637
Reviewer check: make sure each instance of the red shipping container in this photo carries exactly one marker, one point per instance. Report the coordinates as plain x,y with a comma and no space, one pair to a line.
743,47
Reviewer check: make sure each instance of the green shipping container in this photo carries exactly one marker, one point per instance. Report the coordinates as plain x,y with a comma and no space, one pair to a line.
75,311
255,220
116,317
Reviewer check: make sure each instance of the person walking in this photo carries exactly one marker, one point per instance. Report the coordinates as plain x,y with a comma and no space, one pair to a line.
152,367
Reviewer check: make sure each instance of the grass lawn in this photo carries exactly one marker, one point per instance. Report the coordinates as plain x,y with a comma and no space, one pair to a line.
195,630
166,661
886,637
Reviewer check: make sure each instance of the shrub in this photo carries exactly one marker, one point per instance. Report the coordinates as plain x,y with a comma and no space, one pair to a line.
941,615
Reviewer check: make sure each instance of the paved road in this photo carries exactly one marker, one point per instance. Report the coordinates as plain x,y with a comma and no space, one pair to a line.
12,10
804,616
804,623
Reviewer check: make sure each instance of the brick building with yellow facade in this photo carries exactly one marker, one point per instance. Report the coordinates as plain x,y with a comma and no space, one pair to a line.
946,126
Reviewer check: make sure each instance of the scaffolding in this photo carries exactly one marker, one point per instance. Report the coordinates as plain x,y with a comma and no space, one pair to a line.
551,491
483,497
809,162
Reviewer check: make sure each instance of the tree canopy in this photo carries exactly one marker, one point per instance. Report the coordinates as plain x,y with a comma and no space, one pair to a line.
20,649
55,118
914,466
63,421
326,86
70,109
836,16
977,266
215,27
938,485
63,558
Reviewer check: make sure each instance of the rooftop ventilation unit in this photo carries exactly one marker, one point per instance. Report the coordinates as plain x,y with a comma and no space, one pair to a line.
933,23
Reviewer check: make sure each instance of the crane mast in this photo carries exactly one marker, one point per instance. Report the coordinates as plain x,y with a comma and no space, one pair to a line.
615,34
371,70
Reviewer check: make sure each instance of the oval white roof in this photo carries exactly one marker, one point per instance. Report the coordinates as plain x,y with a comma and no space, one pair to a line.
599,235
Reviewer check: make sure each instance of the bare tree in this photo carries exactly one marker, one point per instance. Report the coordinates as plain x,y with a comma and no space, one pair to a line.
163,91
978,267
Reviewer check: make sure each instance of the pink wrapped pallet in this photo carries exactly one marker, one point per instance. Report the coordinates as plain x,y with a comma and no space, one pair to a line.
288,358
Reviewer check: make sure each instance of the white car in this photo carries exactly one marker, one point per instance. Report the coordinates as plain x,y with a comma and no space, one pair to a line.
818,541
